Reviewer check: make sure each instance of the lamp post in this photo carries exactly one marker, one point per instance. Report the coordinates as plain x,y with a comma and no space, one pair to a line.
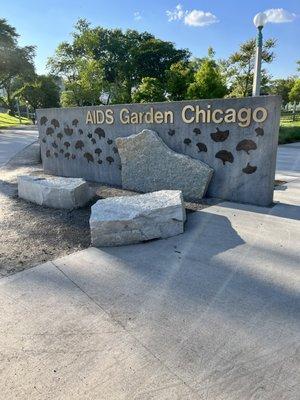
259,21
27,108
18,111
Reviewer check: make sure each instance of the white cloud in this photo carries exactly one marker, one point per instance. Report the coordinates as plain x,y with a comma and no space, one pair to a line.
137,16
200,18
176,14
192,18
279,15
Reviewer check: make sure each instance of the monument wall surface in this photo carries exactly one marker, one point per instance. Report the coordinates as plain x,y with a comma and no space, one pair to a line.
236,137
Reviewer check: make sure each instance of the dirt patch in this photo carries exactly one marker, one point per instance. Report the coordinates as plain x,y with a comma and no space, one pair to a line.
31,234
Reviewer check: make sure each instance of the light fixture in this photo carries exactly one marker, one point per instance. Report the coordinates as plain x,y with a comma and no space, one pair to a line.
260,19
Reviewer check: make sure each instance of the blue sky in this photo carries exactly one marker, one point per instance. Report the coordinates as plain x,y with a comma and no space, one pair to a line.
193,24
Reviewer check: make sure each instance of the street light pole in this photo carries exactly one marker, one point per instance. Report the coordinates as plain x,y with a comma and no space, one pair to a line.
27,108
259,21
18,111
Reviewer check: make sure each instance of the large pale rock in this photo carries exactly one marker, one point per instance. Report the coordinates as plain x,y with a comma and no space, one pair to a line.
131,219
56,192
148,164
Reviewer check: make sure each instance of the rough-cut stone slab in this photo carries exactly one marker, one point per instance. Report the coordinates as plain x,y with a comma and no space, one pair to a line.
148,164
132,219
56,192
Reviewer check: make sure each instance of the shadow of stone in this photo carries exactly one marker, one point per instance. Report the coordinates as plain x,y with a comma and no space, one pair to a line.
279,209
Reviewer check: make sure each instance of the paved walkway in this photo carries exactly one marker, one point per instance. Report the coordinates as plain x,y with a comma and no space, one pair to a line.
213,314
14,140
288,161
288,170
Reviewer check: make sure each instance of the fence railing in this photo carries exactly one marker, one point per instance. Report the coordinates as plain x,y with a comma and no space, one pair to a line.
290,116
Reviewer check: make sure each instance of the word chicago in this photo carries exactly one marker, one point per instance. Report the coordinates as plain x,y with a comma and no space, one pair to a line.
189,114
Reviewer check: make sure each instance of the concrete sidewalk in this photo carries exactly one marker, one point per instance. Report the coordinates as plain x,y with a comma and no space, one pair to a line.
12,141
288,161
212,314
288,169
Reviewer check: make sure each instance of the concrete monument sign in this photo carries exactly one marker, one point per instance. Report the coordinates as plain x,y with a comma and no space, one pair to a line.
235,137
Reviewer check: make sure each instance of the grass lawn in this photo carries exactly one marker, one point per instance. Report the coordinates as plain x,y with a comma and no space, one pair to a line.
289,132
7,120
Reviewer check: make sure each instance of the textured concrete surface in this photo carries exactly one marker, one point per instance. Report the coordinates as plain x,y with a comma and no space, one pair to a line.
132,219
288,161
13,141
30,155
148,164
55,192
212,314
243,158
287,195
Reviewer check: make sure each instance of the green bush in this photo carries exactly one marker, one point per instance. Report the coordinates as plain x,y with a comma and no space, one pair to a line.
289,132
150,90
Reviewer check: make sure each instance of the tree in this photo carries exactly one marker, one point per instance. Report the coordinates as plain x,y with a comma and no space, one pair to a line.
209,83
178,78
87,86
126,57
148,91
282,87
43,92
295,92
67,99
8,34
152,57
240,67
15,62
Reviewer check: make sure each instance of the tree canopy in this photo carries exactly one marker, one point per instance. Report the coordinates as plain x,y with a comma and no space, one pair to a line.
125,58
15,62
208,83
149,90
239,67
43,92
282,87
127,66
178,78
295,92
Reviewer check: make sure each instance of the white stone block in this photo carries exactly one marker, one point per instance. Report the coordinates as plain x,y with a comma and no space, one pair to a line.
148,164
55,192
123,220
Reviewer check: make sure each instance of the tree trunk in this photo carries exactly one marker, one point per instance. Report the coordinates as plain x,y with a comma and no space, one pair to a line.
294,111
247,80
10,100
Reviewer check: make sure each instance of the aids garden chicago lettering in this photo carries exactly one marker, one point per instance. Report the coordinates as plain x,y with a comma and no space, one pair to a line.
189,114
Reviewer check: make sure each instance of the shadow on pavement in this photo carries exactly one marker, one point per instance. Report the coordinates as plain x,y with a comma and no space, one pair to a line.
279,209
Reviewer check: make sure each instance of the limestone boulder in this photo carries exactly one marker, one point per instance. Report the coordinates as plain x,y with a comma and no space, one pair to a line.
148,164
124,220
55,192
